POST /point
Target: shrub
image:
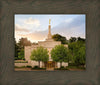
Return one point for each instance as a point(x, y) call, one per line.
point(62, 67)
point(36, 67)
point(29, 66)
point(72, 64)
point(42, 68)
point(16, 58)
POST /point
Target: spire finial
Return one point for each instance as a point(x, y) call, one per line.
point(49, 21)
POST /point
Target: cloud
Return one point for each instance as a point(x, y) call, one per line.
point(69, 20)
point(34, 37)
point(28, 25)
point(35, 22)
point(31, 29)
point(18, 28)
point(73, 27)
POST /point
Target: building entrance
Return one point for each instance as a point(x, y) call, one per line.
point(50, 65)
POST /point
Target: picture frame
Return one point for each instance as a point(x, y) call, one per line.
point(90, 76)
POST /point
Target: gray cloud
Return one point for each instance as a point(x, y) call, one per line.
point(75, 28)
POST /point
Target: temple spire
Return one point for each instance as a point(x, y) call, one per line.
point(49, 21)
point(49, 30)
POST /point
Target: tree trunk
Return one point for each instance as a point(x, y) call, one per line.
point(39, 64)
point(60, 64)
point(68, 59)
point(45, 64)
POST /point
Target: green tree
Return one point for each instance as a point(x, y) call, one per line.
point(77, 52)
point(58, 37)
point(73, 48)
point(70, 56)
point(24, 42)
point(59, 54)
point(80, 39)
point(80, 57)
point(17, 50)
point(72, 39)
point(39, 54)
point(21, 54)
point(19, 46)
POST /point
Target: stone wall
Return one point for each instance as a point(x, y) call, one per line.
point(63, 64)
point(49, 44)
point(21, 64)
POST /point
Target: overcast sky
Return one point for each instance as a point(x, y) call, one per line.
point(35, 27)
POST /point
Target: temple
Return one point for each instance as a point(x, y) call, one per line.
point(49, 43)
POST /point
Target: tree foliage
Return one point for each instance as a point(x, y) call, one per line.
point(39, 54)
point(16, 50)
point(19, 46)
point(21, 54)
point(72, 39)
point(77, 52)
point(58, 37)
point(59, 53)
point(24, 42)
point(80, 56)
point(80, 39)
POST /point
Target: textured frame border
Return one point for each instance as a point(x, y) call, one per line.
point(89, 77)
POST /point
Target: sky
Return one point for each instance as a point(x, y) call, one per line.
point(34, 27)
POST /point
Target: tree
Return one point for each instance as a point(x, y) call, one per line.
point(17, 50)
point(21, 54)
point(24, 42)
point(77, 52)
point(81, 39)
point(80, 57)
point(72, 39)
point(70, 56)
point(58, 37)
point(59, 54)
point(39, 54)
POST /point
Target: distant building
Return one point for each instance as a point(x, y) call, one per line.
point(49, 43)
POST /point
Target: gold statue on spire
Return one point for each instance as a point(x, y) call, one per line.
point(49, 21)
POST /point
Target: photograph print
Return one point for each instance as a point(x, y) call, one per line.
point(50, 42)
